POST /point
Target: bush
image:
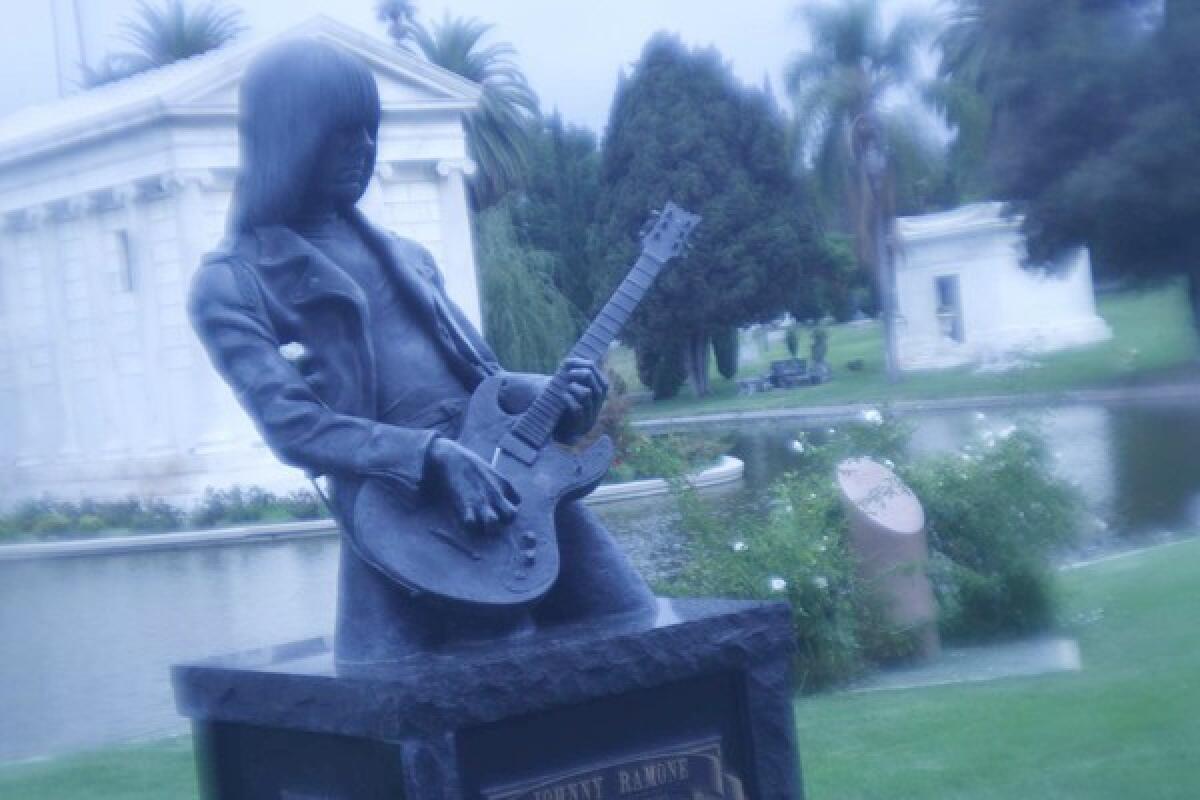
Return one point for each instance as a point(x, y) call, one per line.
point(638, 456)
point(996, 516)
point(302, 504)
point(236, 506)
point(798, 554)
point(47, 518)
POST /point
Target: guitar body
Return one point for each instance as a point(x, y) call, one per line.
point(422, 548)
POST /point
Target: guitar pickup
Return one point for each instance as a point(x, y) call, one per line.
point(516, 448)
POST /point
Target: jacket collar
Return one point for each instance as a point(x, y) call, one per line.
point(288, 260)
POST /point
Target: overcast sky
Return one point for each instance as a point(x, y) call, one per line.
point(570, 50)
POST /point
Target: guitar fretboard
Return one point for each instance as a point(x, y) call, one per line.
point(537, 424)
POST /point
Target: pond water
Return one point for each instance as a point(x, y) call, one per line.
point(87, 642)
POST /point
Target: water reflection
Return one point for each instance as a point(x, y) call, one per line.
point(88, 641)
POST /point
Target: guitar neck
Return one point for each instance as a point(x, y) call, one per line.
point(537, 424)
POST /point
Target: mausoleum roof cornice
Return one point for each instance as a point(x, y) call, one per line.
point(968, 220)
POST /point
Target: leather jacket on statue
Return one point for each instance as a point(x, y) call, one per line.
point(287, 329)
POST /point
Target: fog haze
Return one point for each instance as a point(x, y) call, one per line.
point(570, 51)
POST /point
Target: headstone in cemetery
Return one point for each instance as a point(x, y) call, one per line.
point(887, 539)
point(788, 373)
point(491, 641)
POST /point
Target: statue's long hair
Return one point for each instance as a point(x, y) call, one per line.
point(292, 97)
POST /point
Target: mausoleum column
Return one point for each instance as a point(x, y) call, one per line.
point(105, 405)
point(198, 411)
point(154, 433)
point(462, 281)
point(21, 332)
point(71, 382)
point(50, 256)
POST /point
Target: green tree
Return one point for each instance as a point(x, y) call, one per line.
point(557, 206)
point(725, 348)
point(499, 130)
point(681, 128)
point(525, 318)
point(838, 88)
point(161, 35)
point(1096, 137)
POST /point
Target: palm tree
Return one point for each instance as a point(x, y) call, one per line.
point(498, 131)
point(838, 88)
point(163, 35)
point(960, 92)
point(400, 17)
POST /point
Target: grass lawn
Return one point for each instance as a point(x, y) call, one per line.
point(1127, 726)
point(1153, 339)
point(157, 771)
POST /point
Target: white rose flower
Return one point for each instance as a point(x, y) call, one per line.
point(739, 546)
point(777, 584)
point(797, 446)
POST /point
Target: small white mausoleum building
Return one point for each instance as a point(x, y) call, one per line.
point(108, 200)
point(963, 296)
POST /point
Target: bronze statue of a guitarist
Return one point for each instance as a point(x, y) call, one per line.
point(341, 343)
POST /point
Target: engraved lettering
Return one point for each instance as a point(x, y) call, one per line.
point(696, 769)
point(652, 775)
point(590, 789)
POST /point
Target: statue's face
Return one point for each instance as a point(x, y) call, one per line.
point(344, 168)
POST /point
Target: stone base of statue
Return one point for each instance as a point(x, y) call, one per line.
point(696, 703)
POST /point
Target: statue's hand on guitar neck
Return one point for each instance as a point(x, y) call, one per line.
point(481, 498)
point(586, 387)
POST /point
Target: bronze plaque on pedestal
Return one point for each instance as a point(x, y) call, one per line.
point(690, 771)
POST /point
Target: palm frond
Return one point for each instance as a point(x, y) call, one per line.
point(400, 17)
point(162, 35)
point(498, 130)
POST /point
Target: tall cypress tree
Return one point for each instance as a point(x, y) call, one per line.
point(683, 129)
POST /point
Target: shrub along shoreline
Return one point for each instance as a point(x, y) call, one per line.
point(52, 520)
point(996, 517)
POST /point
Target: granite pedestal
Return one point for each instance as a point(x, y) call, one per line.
point(696, 703)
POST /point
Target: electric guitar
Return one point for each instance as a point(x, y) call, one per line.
point(423, 548)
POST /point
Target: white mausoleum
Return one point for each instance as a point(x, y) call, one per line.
point(108, 200)
point(964, 297)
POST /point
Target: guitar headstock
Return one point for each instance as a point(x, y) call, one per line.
point(666, 233)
